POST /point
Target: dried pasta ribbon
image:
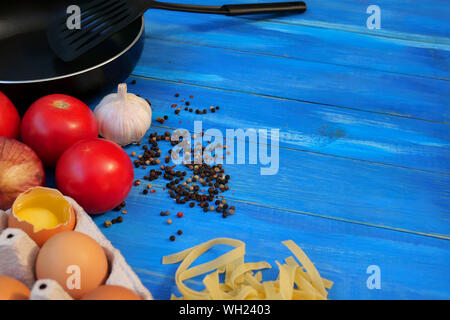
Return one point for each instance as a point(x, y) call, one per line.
point(294, 281)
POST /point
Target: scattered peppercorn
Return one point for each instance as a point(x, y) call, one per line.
point(183, 188)
point(160, 120)
point(179, 232)
point(107, 223)
point(172, 238)
point(119, 219)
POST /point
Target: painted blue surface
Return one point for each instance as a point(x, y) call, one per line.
point(298, 80)
point(364, 174)
point(390, 140)
point(425, 59)
point(403, 19)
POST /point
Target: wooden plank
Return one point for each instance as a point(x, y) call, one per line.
point(412, 267)
point(339, 86)
point(316, 184)
point(305, 127)
point(334, 188)
point(424, 21)
point(303, 42)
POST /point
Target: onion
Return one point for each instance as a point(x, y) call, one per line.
point(20, 170)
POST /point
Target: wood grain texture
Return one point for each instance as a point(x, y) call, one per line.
point(303, 42)
point(340, 86)
point(423, 21)
point(412, 267)
point(340, 189)
point(346, 133)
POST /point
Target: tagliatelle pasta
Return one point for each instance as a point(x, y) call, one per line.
point(295, 281)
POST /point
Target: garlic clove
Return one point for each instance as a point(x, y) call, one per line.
point(123, 117)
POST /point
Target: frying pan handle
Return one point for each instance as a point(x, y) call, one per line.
point(255, 8)
point(234, 9)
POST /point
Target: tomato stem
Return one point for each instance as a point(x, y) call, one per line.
point(61, 104)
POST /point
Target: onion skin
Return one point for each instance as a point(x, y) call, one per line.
point(20, 170)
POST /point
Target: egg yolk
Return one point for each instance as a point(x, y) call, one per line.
point(40, 218)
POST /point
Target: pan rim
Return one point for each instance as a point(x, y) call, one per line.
point(88, 69)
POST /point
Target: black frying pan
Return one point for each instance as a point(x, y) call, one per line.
point(29, 69)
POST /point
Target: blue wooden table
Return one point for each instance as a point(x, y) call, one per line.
point(364, 147)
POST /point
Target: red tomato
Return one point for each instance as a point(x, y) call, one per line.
point(55, 122)
point(96, 173)
point(9, 118)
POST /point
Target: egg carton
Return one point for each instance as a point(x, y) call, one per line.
point(18, 253)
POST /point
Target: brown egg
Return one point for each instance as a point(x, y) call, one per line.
point(12, 289)
point(75, 260)
point(42, 213)
point(111, 292)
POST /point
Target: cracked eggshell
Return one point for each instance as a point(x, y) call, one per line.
point(50, 199)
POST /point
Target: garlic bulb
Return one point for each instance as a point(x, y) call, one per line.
point(123, 117)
